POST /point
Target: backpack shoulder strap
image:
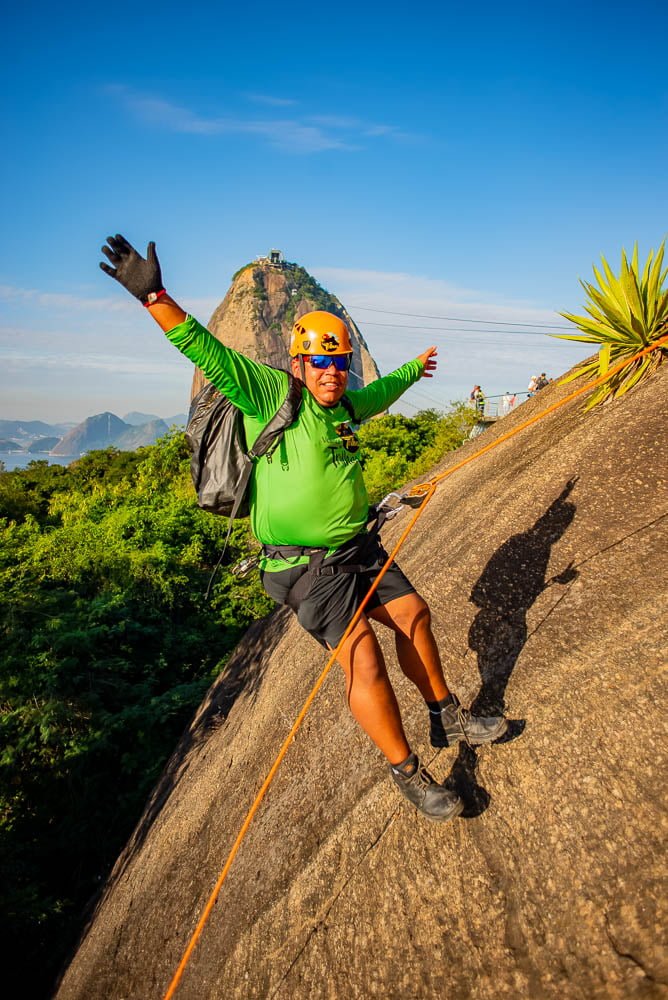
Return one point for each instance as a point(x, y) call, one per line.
point(285, 415)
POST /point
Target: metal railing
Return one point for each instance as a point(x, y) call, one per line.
point(500, 405)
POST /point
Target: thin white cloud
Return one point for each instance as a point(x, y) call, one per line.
point(398, 292)
point(293, 136)
point(381, 130)
point(97, 313)
point(335, 121)
point(497, 357)
point(163, 113)
point(69, 346)
point(109, 364)
point(306, 134)
point(286, 134)
point(272, 100)
point(59, 300)
point(372, 130)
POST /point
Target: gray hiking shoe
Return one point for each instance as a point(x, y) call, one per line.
point(433, 800)
point(455, 723)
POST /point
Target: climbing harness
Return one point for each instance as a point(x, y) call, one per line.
point(418, 497)
point(347, 557)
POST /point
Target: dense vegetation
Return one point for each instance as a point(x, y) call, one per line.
point(107, 645)
point(396, 449)
point(300, 285)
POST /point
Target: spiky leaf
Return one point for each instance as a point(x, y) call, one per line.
point(626, 314)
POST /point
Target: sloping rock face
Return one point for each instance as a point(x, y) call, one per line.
point(25, 430)
point(42, 445)
point(544, 564)
point(141, 435)
point(94, 432)
point(258, 312)
point(106, 430)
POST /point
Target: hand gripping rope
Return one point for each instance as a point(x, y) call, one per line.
point(418, 497)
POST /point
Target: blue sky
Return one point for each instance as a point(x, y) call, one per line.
point(466, 161)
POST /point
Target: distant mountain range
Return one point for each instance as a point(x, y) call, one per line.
point(255, 317)
point(103, 430)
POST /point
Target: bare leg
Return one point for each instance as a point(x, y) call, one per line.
point(410, 619)
point(370, 695)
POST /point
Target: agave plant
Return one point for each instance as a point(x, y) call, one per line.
point(626, 314)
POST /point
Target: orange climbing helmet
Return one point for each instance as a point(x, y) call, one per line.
point(320, 333)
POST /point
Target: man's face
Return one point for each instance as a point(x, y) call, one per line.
point(326, 384)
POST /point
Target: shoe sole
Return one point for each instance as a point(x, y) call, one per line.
point(456, 810)
point(501, 731)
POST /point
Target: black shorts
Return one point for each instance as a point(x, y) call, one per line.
point(329, 603)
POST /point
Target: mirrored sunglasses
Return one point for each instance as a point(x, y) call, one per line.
point(340, 361)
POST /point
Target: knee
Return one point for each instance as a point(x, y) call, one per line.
point(362, 660)
point(367, 672)
point(414, 617)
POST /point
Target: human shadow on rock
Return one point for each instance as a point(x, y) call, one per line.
point(508, 586)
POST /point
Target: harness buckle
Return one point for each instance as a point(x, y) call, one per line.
point(328, 570)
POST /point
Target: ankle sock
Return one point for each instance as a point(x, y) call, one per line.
point(436, 706)
point(407, 767)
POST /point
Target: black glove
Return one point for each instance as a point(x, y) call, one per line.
point(139, 276)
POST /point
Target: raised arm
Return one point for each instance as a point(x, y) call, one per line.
point(143, 279)
point(258, 390)
point(428, 361)
point(379, 395)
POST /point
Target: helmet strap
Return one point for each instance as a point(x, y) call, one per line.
point(302, 369)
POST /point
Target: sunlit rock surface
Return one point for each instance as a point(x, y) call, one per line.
point(544, 564)
point(257, 314)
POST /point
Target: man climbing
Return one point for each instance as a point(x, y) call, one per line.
point(309, 510)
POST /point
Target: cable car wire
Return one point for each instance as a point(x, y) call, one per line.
point(463, 319)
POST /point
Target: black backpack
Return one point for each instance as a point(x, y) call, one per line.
point(221, 463)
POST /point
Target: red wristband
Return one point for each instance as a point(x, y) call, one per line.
point(153, 297)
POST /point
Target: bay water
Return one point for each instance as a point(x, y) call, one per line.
point(19, 459)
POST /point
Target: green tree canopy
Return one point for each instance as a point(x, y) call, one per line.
point(107, 646)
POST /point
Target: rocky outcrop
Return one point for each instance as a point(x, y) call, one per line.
point(99, 431)
point(257, 314)
point(544, 564)
point(43, 445)
point(25, 430)
point(106, 430)
point(140, 436)
point(136, 419)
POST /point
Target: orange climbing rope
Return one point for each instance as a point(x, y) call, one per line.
point(424, 491)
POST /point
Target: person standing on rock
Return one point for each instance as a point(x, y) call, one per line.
point(309, 510)
point(507, 403)
point(477, 399)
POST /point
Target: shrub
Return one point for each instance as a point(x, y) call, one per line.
point(625, 314)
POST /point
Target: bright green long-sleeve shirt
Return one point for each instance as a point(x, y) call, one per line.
point(311, 491)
